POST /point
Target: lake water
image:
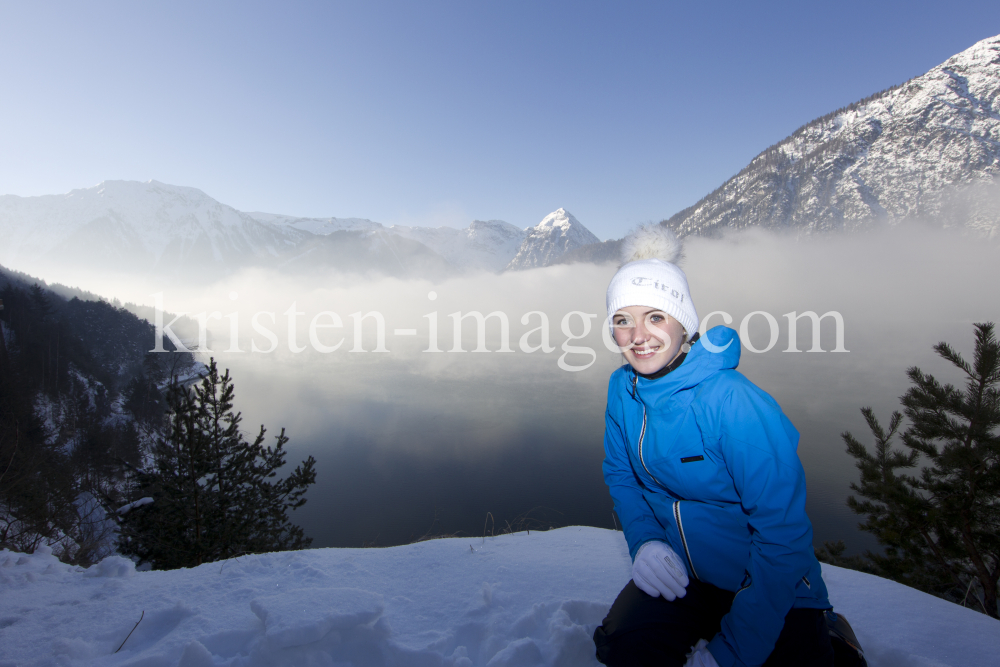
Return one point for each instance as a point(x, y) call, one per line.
point(435, 456)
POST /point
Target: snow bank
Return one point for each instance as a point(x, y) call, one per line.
point(516, 600)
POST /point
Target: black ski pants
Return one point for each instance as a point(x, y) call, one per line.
point(641, 630)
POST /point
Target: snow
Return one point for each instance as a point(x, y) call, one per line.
point(513, 600)
point(307, 615)
point(557, 233)
point(558, 218)
point(131, 506)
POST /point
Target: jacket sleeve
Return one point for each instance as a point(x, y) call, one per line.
point(638, 521)
point(759, 446)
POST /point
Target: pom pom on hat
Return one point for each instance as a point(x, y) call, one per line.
point(652, 242)
point(650, 276)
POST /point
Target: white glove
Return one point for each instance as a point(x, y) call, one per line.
point(658, 570)
point(700, 656)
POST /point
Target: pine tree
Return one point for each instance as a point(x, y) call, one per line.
point(941, 530)
point(212, 491)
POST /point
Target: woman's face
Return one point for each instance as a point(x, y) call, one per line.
point(649, 338)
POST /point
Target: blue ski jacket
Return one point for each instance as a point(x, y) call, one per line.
point(704, 460)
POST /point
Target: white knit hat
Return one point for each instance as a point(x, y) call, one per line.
point(650, 277)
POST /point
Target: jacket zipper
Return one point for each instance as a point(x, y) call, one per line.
point(747, 581)
point(677, 504)
point(642, 433)
point(680, 529)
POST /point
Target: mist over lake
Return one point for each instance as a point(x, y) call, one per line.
point(410, 443)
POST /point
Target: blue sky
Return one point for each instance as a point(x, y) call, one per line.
point(433, 113)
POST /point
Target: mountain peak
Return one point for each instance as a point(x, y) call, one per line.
point(124, 191)
point(985, 52)
point(134, 225)
point(926, 149)
point(557, 233)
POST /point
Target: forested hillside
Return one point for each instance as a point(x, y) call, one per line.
point(80, 399)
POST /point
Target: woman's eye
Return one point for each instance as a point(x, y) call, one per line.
point(656, 318)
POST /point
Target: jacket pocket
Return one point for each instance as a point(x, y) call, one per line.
point(714, 542)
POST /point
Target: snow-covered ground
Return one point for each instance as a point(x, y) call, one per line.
point(516, 600)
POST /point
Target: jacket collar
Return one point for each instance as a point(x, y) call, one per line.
point(673, 364)
point(718, 349)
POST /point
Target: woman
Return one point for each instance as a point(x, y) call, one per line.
point(702, 467)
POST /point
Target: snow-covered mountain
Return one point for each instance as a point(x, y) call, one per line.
point(136, 227)
point(489, 244)
point(547, 241)
point(317, 226)
point(169, 230)
point(927, 149)
point(376, 252)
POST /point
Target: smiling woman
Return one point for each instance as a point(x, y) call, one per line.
point(703, 469)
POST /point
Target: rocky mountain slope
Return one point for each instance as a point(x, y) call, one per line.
point(489, 244)
point(558, 233)
point(317, 226)
point(928, 149)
